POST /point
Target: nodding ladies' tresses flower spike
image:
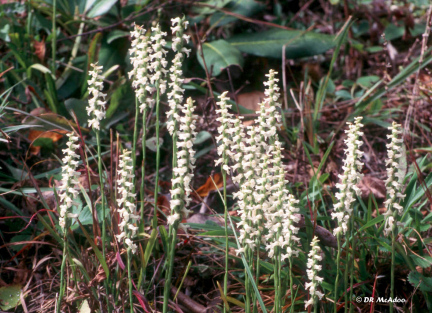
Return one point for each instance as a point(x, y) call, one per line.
point(69, 178)
point(395, 176)
point(280, 211)
point(125, 201)
point(269, 118)
point(96, 105)
point(350, 177)
point(175, 96)
point(225, 130)
point(158, 62)
point(139, 56)
point(183, 172)
point(314, 257)
point(248, 198)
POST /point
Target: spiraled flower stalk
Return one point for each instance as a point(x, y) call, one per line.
point(224, 152)
point(68, 194)
point(158, 64)
point(127, 211)
point(314, 257)
point(96, 111)
point(347, 189)
point(181, 186)
point(140, 57)
point(280, 223)
point(395, 176)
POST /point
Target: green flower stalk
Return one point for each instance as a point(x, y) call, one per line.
point(139, 56)
point(96, 112)
point(181, 186)
point(395, 177)
point(280, 223)
point(314, 257)
point(157, 78)
point(69, 193)
point(127, 211)
point(224, 152)
point(347, 189)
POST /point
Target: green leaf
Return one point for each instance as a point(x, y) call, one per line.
point(149, 248)
point(241, 7)
point(269, 43)
point(422, 261)
point(201, 137)
point(115, 34)
point(38, 67)
point(9, 297)
point(219, 55)
point(79, 108)
point(100, 8)
point(367, 81)
point(164, 237)
point(418, 280)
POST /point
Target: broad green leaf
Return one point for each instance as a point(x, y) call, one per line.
point(219, 55)
point(419, 281)
point(367, 81)
point(115, 34)
point(423, 262)
point(100, 8)
point(211, 6)
point(241, 7)
point(79, 109)
point(269, 43)
point(9, 297)
point(201, 137)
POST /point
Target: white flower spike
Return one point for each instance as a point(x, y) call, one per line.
point(69, 179)
point(125, 202)
point(139, 56)
point(313, 266)
point(395, 176)
point(175, 96)
point(350, 178)
point(96, 103)
point(183, 172)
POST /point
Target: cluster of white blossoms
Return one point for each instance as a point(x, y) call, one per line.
point(270, 118)
point(350, 177)
point(96, 103)
point(175, 96)
point(225, 131)
point(125, 202)
point(140, 56)
point(183, 172)
point(280, 212)
point(265, 205)
point(248, 198)
point(395, 176)
point(69, 179)
point(158, 62)
point(313, 266)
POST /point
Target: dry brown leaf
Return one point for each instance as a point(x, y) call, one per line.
point(372, 185)
point(54, 135)
point(251, 100)
point(204, 190)
point(40, 49)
